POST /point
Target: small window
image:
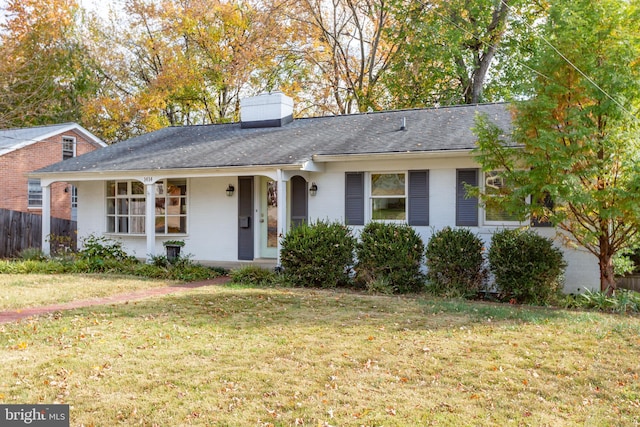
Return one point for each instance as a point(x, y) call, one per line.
point(493, 186)
point(34, 191)
point(388, 197)
point(74, 196)
point(68, 147)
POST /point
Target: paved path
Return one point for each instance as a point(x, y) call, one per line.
point(24, 313)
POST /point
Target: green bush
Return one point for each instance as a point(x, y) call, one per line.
point(527, 267)
point(253, 274)
point(391, 255)
point(318, 255)
point(103, 248)
point(455, 263)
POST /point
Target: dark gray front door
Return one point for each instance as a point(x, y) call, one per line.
point(245, 218)
point(298, 201)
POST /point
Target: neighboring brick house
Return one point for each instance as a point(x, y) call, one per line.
point(28, 149)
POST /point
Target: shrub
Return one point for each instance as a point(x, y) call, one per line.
point(94, 247)
point(390, 253)
point(253, 274)
point(455, 263)
point(526, 266)
point(318, 255)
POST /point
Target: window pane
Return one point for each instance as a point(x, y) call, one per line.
point(123, 206)
point(176, 224)
point(388, 209)
point(137, 206)
point(177, 187)
point(160, 210)
point(137, 224)
point(160, 224)
point(122, 188)
point(111, 206)
point(159, 189)
point(34, 192)
point(493, 185)
point(111, 224)
point(388, 184)
point(123, 225)
point(137, 187)
point(111, 188)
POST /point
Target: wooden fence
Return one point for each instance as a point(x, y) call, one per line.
point(22, 230)
point(631, 282)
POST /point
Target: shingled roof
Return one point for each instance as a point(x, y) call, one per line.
point(230, 145)
point(14, 139)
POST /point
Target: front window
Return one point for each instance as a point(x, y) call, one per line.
point(126, 207)
point(494, 186)
point(171, 206)
point(34, 193)
point(388, 197)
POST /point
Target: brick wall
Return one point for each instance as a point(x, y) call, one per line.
point(15, 165)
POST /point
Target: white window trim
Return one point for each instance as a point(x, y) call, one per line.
point(29, 205)
point(143, 195)
point(368, 212)
point(483, 211)
point(71, 139)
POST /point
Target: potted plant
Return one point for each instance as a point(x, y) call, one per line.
point(173, 249)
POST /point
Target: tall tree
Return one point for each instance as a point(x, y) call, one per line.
point(454, 49)
point(345, 46)
point(580, 131)
point(43, 77)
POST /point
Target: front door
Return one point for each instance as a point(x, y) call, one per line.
point(268, 218)
point(245, 217)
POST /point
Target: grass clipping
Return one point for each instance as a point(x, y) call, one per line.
point(285, 357)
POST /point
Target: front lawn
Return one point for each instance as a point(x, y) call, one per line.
point(31, 290)
point(235, 356)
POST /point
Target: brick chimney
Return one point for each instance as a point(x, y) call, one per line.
point(273, 109)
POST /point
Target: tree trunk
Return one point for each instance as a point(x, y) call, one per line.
point(607, 277)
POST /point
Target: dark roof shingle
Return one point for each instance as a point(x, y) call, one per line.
point(228, 145)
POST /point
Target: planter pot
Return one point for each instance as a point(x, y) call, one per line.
point(173, 252)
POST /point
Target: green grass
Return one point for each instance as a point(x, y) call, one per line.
point(242, 356)
point(29, 290)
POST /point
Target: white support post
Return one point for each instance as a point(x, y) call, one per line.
point(282, 209)
point(46, 219)
point(150, 220)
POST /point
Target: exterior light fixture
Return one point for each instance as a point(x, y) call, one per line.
point(230, 190)
point(313, 190)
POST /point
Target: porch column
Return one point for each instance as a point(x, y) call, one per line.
point(46, 219)
point(150, 220)
point(282, 209)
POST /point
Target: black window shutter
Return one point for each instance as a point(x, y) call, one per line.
point(466, 207)
point(354, 198)
point(419, 197)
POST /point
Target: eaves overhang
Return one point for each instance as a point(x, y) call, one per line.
point(152, 175)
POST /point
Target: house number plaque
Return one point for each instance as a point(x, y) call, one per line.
point(147, 179)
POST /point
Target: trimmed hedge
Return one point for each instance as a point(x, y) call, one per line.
point(455, 263)
point(526, 266)
point(390, 256)
point(318, 255)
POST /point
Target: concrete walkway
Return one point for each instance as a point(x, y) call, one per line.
point(25, 313)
